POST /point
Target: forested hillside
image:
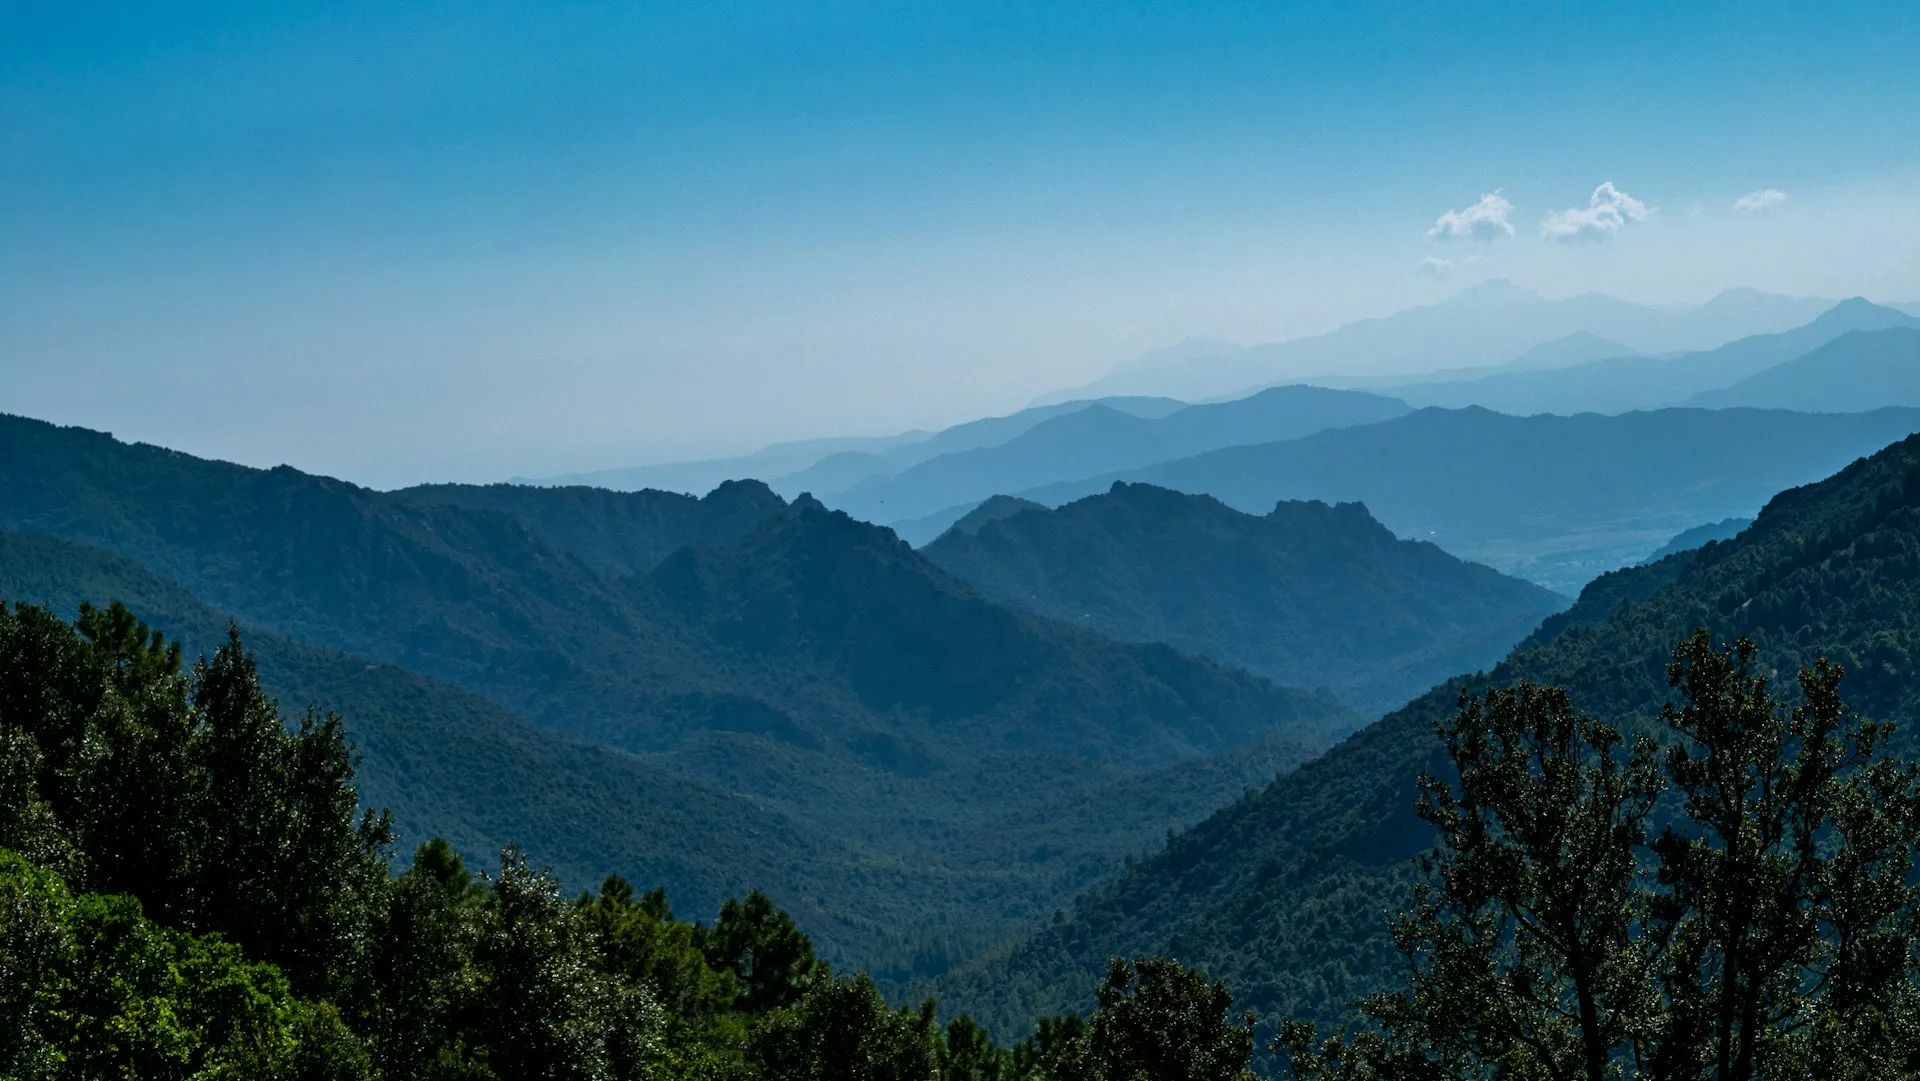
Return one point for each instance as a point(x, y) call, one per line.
point(1283, 893)
point(189, 887)
point(818, 667)
point(1308, 594)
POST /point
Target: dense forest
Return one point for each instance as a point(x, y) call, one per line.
point(189, 888)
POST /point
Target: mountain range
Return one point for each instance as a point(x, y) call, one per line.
point(1487, 324)
point(1099, 440)
point(1284, 893)
point(1553, 499)
point(806, 668)
point(1306, 595)
point(1621, 384)
point(1855, 372)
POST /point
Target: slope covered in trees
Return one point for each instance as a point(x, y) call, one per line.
point(189, 889)
point(615, 533)
point(1556, 500)
point(1283, 893)
point(819, 667)
point(1307, 595)
point(454, 765)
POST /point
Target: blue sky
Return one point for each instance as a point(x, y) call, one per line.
point(402, 241)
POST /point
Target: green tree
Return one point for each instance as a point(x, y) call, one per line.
point(770, 957)
point(1158, 1021)
point(1767, 930)
point(842, 1030)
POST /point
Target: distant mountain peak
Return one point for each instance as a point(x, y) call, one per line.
point(1495, 291)
point(1859, 310)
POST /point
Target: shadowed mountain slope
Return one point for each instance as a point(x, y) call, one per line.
point(615, 533)
point(1283, 894)
point(452, 764)
point(1555, 500)
point(1307, 595)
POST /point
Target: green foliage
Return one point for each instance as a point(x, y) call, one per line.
point(1308, 595)
point(1160, 1022)
point(97, 990)
point(1768, 930)
point(842, 1030)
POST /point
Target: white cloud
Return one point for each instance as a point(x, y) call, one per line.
point(1758, 202)
point(1484, 220)
point(1607, 212)
point(1434, 269)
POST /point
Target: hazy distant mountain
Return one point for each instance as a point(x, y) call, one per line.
point(700, 477)
point(1306, 595)
point(1484, 325)
point(994, 509)
point(1100, 440)
point(838, 472)
point(1556, 500)
point(1627, 383)
point(1576, 348)
point(1688, 540)
point(1860, 370)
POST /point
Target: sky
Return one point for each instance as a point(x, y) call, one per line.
point(466, 241)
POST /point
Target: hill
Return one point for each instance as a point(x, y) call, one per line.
point(1555, 500)
point(818, 667)
point(454, 765)
point(839, 472)
point(615, 533)
point(1283, 893)
point(1858, 371)
point(1307, 595)
point(1689, 539)
point(1622, 384)
point(1097, 440)
point(1481, 325)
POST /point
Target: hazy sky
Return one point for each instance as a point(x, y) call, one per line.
point(467, 240)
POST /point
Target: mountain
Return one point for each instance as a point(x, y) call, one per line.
point(452, 764)
point(1478, 327)
point(839, 472)
point(1688, 540)
point(993, 509)
point(1098, 439)
point(1576, 348)
point(615, 533)
point(1621, 384)
point(817, 667)
point(695, 477)
point(1858, 371)
point(1282, 894)
point(1307, 595)
point(1556, 500)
